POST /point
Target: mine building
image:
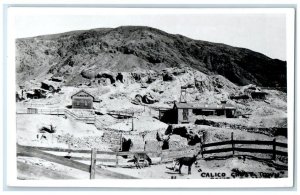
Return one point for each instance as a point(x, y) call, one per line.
point(261, 95)
point(187, 112)
point(82, 100)
point(184, 113)
point(36, 93)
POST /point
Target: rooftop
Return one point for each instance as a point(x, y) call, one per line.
point(84, 91)
point(203, 106)
point(95, 97)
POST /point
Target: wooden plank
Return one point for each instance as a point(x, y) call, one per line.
point(274, 149)
point(218, 150)
point(57, 149)
point(134, 152)
point(117, 161)
point(216, 144)
point(253, 142)
point(78, 158)
point(98, 159)
point(67, 150)
point(232, 143)
point(282, 153)
point(283, 145)
point(254, 150)
point(250, 150)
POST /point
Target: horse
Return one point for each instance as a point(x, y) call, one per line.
point(187, 161)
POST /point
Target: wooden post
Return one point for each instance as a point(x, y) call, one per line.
point(274, 149)
point(201, 139)
point(160, 155)
point(132, 128)
point(121, 143)
point(202, 142)
point(93, 163)
point(117, 161)
point(232, 141)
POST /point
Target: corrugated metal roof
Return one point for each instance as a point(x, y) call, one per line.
point(204, 106)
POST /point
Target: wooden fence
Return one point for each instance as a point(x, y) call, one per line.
point(121, 114)
point(163, 156)
point(51, 111)
point(57, 111)
point(233, 148)
point(86, 119)
point(30, 104)
point(48, 111)
point(92, 169)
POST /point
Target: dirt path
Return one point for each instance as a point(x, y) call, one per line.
point(32, 172)
point(209, 169)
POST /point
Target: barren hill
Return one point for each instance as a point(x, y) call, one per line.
point(137, 48)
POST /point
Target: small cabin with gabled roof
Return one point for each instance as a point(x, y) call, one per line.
point(82, 100)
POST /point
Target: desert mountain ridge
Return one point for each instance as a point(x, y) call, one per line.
point(137, 49)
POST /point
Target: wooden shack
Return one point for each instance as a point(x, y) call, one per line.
point(185, 112)
point(259, 95)
point(82, 100)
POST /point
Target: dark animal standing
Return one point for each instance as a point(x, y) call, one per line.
point(140, 158)
point(187, 161)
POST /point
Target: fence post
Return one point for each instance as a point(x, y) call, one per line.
point(160, 155)
point(232, 141)
point(117, 161)
point(274, 149)
point(121, 142)
point(93, 163)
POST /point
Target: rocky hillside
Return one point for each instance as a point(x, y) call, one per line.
point(136, 48)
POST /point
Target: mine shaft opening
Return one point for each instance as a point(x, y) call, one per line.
point(120, 77)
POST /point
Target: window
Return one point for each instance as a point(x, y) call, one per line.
point(85, 103)
point(185, 114)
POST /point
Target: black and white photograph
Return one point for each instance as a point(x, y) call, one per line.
point(162, 94)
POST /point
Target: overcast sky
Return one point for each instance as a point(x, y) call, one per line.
point(265, 33)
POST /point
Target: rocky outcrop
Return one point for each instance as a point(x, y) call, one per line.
point(145, 99)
